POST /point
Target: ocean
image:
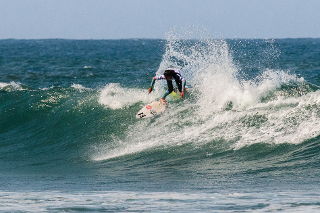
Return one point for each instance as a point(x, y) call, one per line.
point(246, 137)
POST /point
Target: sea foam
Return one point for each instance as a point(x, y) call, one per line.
point(274, 107)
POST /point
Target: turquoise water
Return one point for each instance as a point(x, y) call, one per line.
point(246, 138)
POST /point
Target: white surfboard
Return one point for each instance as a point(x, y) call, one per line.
point(156, 107)
point(152, 109)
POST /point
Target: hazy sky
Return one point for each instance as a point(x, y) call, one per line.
point(113, 19)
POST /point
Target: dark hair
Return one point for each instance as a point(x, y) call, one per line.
point(169, 73)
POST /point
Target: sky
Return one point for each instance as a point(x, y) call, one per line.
point(121, 19)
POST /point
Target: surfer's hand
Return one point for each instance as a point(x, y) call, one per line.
point(182, 94)
point(163, 101)
point(149, 90)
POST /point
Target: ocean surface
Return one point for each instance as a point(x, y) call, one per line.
point(246, 137)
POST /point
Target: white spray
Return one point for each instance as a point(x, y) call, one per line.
point(220, 107)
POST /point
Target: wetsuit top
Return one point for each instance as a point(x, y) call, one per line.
point(181, 82)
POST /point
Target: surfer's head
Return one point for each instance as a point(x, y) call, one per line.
point(168, 74)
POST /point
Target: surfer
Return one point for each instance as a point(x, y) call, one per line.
point(168, 75)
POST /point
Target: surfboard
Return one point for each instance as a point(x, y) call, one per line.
point(152, 109)
point(156, 107)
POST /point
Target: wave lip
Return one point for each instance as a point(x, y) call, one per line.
point(116, 97)
point(13, 86)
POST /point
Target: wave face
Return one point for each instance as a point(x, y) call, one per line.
point(250, 121)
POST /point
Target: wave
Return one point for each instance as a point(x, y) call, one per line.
point(13, 86)
point(116, 97)
point(221, 114)
point(97, 124)
point(275, 107)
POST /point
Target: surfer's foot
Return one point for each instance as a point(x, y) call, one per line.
point(163, 101)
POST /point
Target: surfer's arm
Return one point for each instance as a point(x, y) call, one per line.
point(161, 77)
point(184, 82)
point(165, 94)
point(170, 89)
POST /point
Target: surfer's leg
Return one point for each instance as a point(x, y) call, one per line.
point(170, 86)
point(179, 85)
